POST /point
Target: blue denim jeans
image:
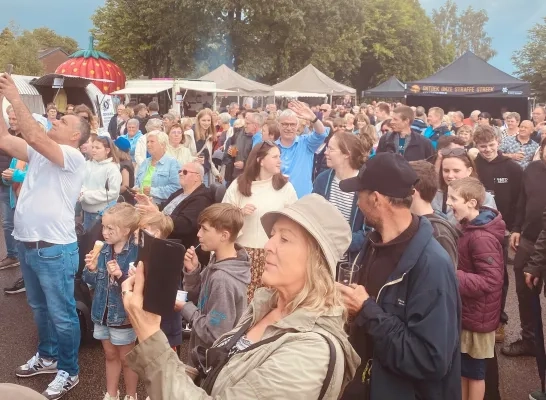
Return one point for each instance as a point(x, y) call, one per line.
point(89, 219)
point(49, 280)
point(7, 221)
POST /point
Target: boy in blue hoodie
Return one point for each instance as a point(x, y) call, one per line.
point(436, 128)
point(221, 287)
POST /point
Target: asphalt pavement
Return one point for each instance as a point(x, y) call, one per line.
point(18, 340)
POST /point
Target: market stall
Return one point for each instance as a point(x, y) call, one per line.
point(392, 88)
point(470, 83)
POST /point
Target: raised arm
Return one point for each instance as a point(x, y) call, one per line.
point(33, 134)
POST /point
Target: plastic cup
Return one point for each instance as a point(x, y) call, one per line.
point(345, 274)
point(182, 296)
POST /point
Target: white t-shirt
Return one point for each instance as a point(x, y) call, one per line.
point(45, 208)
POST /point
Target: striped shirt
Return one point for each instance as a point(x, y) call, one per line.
point(343, 202)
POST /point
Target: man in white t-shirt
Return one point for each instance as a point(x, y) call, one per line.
point(45, 230)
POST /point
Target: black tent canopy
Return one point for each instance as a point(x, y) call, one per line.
point(392, 88)
point(470, 83)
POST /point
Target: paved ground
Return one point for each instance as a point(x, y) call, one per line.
point(18, 343)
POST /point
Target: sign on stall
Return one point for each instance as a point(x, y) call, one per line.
point(107, 109)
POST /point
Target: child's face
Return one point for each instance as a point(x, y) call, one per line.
point(461, 208)
point(209, 238)
point(112, 232)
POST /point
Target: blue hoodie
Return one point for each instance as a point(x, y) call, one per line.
point(433, 134)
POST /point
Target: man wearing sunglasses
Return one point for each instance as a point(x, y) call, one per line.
point(403, 140)
point(325, 111)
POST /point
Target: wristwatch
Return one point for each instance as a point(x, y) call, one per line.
point(315, 120)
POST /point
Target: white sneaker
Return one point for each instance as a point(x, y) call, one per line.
point(127, 397)
point(61, 385)
point(108, 397)
point(36, 366)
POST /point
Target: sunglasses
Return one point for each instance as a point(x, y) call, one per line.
point(385, 130)
point(323, 110)
point(186, 172)
point(453, 152)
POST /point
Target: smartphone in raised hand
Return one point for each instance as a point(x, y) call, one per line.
point(9, 69)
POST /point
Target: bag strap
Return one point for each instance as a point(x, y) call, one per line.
point(331, 366)
point(444, 203)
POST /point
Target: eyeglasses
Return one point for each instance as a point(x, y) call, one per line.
point(269, 143)
point(457, 151)
point(186, 172)
point(288, 125)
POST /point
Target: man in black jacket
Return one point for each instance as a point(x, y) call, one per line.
point(411, 144)
point(404, 299)
point(114, 122)
point(527, 227)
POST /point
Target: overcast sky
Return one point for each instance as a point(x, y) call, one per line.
point(509, 20)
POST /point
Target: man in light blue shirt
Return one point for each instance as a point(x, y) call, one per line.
point(297, 152)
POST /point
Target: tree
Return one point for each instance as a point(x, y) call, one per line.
point(464, 31)
point(530, 61)
point(399, 39)
point(154, 39)
point(47, 38)
point(21, 48)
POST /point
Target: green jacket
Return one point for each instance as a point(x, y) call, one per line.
point(291, 368)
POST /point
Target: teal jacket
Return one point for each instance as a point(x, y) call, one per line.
point(18, 177)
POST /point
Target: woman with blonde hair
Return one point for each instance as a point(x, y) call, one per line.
point(366, 129)
point(205, 138)
point(124, 115)
point(290, 343)
point(175, 147)
point(157, 176)
point(154, 124)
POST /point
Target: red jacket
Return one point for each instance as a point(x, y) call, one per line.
point(481, 271)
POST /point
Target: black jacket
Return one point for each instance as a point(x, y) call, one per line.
point(536, 265)
point(5, 158)
point(185, 216)
point(531, 202)
point(419, 147)
point(502, 178)
point(414, 324)
point(113, 127)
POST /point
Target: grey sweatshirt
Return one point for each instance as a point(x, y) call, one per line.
point(446, 234)
point(221, 289)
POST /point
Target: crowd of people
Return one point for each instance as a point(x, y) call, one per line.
point(353, 252)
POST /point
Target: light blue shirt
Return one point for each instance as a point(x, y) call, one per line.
point(133, 141)
point(297, 160)
point(165, 180)
point(257, 138)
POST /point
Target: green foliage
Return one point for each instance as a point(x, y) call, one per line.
point(20, 48)
point(530, 61)
point(463, 30)
point(357, 42)
point(399, 39)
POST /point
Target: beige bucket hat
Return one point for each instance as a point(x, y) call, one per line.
point(322, 220)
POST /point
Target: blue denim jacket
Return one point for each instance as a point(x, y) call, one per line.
point(108, 294)
point(165, 180)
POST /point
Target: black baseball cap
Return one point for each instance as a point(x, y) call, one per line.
point(386, 173)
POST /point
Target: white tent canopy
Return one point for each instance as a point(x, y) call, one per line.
point(311, 80)
point(226, 78)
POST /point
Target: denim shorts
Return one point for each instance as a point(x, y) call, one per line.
point(116, 336)
point(472, 368)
